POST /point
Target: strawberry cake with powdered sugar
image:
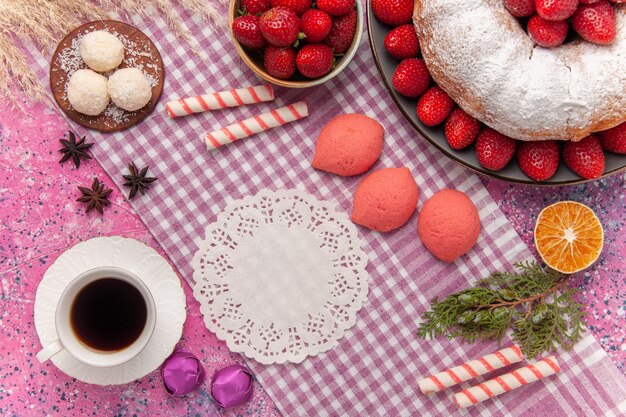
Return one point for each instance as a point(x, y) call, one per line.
point(480, 54)
point(538, 81)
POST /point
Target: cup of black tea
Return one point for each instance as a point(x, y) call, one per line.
point(106, 316)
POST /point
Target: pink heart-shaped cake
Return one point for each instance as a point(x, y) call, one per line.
point(448, 224)
point(348, 145)
point(385, 199)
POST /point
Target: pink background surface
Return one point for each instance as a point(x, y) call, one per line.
point(40, 219)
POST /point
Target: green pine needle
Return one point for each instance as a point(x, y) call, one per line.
point(535, 303)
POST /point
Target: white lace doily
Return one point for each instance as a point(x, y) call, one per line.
point(280, 276)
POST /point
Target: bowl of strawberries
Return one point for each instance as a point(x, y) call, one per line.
point(296, 43)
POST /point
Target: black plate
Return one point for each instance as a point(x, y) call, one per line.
point(467, 157)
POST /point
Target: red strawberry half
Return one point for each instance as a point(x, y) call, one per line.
point(539, 160)
point(614, 140)
point(434, 106)
point(411, 78)
point(585, 158)
point(335, 7)
point(298, 6)
point(316, 25)
point(342, 32)
point(255, 6)
point(246, 30)
point(280, 62)
point(402, 42)
point(460, 129)
point(556, 9)
point(547, 33)
point(280, 26)
point(596, 22)
point(520, 8)
point(493, 149)
point(393, 12)
point(314, 60)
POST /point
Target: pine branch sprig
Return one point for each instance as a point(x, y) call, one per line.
point(535, 303)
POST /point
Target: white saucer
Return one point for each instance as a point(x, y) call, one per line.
point(137, 258)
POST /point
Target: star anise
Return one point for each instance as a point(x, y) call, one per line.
point(96, 197)
point(76, 150)
point(137, 180)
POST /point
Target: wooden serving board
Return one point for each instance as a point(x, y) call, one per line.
point(140, 52)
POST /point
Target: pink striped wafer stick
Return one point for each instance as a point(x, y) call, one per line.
point(220, 100)
point(471, 369)
point(507, 382)
point(256, 124)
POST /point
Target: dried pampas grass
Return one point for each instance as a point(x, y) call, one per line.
point(43, 23)
point(16, 74)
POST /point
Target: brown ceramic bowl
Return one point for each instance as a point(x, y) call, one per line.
point(254, 59)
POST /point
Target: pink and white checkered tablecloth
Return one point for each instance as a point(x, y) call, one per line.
point(375, 368)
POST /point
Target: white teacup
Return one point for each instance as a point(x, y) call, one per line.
point(69, 341)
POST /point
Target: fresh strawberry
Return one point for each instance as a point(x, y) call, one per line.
point(298, 6)
point(434, 106)
point(493, 149)
point(556, 9)
point(316, 25)
point(614, 139)
point(335, 7)
point(520, 8)
point(585, 157)
point(342, 32)
point(539, 159)
point(402, 42)
point(314, 60)
point(547, 33)
point(460, 129)
point(280, 62)
point(280, 26)
point(255, 6)
point(411, 78)
point(393, 12)
point(589, 1)
point(595, 22)
point(246, 30)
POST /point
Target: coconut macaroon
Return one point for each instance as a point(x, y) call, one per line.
point(87, 92)
point(101, 51)
point(129, 89)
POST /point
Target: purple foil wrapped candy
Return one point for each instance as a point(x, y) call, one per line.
point(182, 372)
point(232, 386)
